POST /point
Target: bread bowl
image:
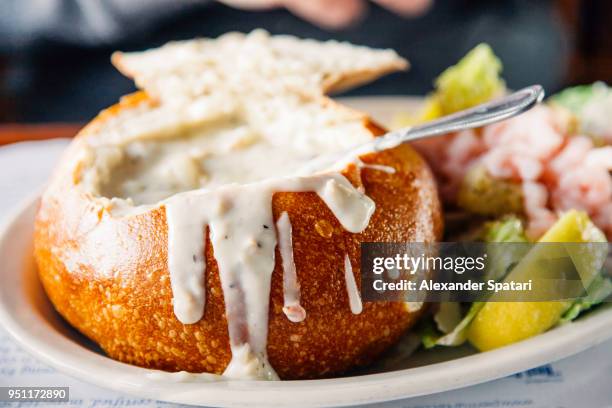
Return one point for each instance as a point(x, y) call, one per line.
point(198, 162)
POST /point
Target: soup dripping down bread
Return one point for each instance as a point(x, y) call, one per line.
point(179, 234)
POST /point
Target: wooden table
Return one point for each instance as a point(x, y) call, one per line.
point(11, 133)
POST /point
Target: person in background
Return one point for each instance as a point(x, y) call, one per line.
point(54, 54)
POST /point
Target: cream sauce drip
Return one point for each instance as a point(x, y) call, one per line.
point(239, 218)
point(351, 287)
point(380, 167)
point(291, 287)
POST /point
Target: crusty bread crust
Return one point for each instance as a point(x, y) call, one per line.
point(118, 291)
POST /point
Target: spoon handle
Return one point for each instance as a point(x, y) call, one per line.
point(481, 115)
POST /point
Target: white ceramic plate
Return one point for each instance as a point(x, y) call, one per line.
point(28, 316)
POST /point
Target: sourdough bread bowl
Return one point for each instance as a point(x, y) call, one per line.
point(212, 145)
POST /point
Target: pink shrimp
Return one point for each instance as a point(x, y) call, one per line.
point(450, 157)
point(556, 172)
point(535, 202)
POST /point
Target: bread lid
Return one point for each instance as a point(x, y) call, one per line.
point(270, 64)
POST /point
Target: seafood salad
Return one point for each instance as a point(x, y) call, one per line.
point(544, 176)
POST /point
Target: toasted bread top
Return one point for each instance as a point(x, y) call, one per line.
point(274, 64)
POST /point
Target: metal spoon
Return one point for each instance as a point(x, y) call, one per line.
point(481, 115)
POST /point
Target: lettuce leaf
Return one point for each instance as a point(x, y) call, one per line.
point(507, 229)
point(473, 80)
point(574, 98)
point(455, 337)
point(590, 106)
point(599, 290)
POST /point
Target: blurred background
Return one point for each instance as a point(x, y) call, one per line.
point(54, 54)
